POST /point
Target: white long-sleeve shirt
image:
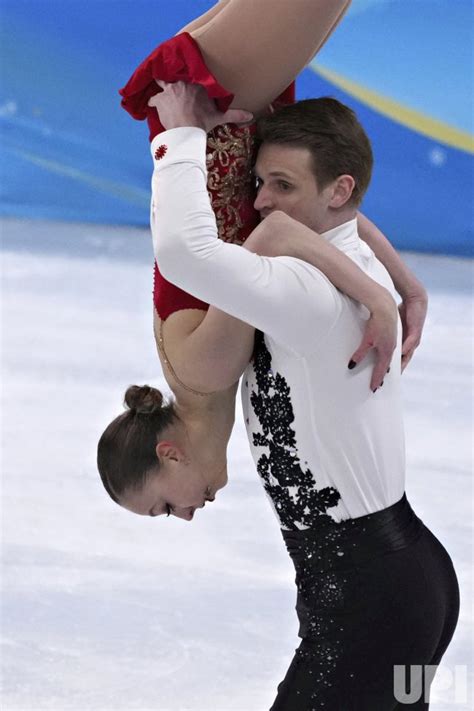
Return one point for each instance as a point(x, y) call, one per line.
point(323, 443)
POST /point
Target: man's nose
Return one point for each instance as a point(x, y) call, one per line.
point(263, 201)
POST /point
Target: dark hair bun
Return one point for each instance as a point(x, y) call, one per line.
point(143, 399)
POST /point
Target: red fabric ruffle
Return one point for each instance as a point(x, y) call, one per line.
point(177, 59)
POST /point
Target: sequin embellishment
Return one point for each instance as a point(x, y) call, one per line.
point(230, 154)
point(280, 466)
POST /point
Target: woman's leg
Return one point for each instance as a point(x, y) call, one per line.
point(256, 48)
point(204, 19)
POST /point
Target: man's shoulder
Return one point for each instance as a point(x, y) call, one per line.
point(304, 270)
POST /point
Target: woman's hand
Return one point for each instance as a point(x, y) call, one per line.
point(415, 299)
point(380, 334)
point(280, 235)
point(413, 310)
point(180, 104)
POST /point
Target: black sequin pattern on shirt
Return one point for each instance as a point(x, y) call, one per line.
point(280, 466)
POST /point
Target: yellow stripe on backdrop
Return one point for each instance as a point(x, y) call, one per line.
point(415, 120)
point(135, 196)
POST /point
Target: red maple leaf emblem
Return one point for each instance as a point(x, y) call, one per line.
point(160, 151)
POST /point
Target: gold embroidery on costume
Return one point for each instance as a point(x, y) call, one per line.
point(230, 154)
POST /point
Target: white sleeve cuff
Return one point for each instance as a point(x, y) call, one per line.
point(178, 145)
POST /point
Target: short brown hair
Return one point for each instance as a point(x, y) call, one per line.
point(333, 134)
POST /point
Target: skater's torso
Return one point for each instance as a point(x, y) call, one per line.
point(323, 443)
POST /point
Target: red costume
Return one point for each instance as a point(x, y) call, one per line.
point(230, 150)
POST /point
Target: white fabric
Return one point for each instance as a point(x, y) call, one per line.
point(348, 438)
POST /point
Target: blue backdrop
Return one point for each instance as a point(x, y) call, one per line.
point(68, 150)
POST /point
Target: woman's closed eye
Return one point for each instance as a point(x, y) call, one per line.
point(168, 511)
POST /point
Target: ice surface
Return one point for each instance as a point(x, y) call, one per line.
point(103, 610)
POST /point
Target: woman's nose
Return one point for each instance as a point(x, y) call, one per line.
point(187, 513)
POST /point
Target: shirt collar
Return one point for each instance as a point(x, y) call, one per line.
point(344, 237)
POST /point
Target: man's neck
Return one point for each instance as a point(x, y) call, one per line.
point(336, 218)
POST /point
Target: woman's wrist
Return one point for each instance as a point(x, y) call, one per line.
point(412, 290)
point(406, 283)
point(380, 300)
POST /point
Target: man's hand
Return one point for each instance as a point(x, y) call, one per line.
point(181, 104)
point(413, 311)
point(381, 334)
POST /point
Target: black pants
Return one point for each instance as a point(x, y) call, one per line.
point(373, 592)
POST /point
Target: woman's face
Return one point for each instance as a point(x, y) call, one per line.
point(177, 489)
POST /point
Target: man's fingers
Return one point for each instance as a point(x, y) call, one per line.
point(153, 100)
point(237, 116)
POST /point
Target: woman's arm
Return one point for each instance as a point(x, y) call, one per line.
point(286, 236)
point(219, 349)
point(414, 297)
point(208, 351)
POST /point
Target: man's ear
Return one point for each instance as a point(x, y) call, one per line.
point(343, 188)
point(168, 451)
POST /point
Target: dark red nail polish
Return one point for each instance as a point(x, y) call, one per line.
point(352, 364)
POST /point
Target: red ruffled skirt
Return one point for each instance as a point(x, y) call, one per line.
point(230, 150)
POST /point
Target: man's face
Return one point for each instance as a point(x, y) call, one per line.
point(286, 182)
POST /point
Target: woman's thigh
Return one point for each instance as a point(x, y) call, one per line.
point(256, 48)
point(205, 18)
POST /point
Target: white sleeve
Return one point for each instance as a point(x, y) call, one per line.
point(286, 298)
